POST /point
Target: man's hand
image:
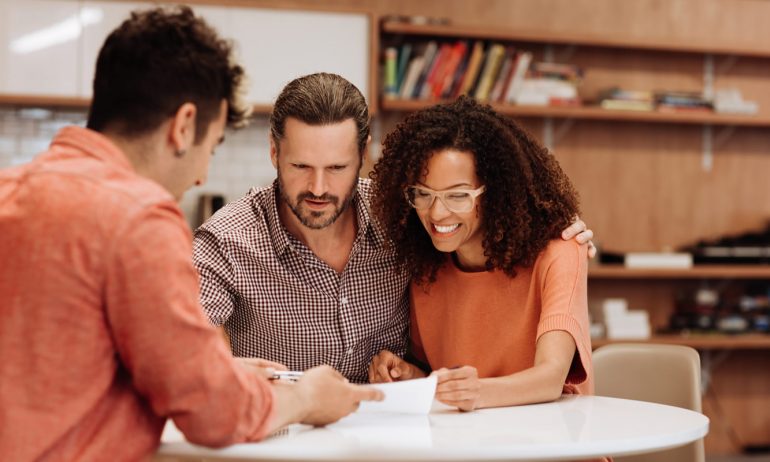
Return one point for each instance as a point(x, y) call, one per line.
point(261, 367)
point(327, 396)
point(387, 367)
point(459, 387)
point(580, 232)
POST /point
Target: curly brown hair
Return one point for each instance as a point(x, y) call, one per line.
point(528, 198)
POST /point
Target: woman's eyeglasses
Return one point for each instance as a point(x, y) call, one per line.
point(455, 200)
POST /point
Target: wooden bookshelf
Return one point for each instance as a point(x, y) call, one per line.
point(596, 113)
point(696, 272)
point(549, 37)
point(701, 341)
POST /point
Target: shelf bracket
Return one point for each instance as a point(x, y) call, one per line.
point(707, 153)
point(552, 135)
point(708, 362)
point(713, 142)
point(726, 65)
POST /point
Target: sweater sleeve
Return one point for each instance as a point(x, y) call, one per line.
point(176, 359)
point(562, 274)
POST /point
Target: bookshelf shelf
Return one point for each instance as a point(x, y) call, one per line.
point(596, 113)
point(696, 272)
point(701, 341)
point(549, 37)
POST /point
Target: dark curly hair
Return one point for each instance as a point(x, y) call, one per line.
point(528, 199)
point(157, 60)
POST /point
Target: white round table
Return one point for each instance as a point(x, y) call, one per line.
point(574, 427)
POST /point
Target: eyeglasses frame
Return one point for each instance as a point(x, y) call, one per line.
point(474, 193)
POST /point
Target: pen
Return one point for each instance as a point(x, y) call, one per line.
point(286, 375)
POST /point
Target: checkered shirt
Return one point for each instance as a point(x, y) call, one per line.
point(277, 300)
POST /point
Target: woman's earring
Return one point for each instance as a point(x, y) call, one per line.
point(179, 152)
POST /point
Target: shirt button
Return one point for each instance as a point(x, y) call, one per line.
point(344, 300)
point(350, 351)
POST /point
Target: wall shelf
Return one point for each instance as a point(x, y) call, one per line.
point(696, 272)
point(550, 37)
point(595, 113)
point(702, 341)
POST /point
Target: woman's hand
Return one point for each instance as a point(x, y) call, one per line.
point(579, 231)
point(387, 367)
point(459, 387)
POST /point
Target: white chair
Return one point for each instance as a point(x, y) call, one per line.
point(665, 374)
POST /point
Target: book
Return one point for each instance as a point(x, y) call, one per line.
point(403, 63)
point(412, 75)
point(523, 60)
point(430, 52)
point(489, 73)
point(473, 68)
point(503, 76)
point(439, 62)
point(447, 74)
point(389, 79)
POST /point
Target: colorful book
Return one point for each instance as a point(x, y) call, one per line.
point(522, 65)
point(389, 80)
point(403, 63)
point(472, 71)
point(489, 73)
point(430, 52)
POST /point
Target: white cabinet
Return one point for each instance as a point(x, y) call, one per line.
point(49, 47)
point(276, 46)
point(110, 15)
point(39, 47)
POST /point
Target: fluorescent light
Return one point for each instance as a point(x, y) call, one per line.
point(61, 32)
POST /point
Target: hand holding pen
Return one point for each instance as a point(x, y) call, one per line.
point(262, 367)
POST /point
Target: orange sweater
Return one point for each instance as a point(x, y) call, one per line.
point(101, 333)
point(492, 322)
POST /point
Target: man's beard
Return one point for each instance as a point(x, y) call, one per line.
point(311, 218)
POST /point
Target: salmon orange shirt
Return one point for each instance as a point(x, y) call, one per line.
point(101, 334)
point(492, 322)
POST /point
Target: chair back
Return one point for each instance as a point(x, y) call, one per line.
point(664, 374)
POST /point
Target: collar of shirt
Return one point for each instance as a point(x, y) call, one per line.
point(91, 143)
point(281, 239)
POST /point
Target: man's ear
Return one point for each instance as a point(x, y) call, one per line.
point(274, 153)
point(182, 128)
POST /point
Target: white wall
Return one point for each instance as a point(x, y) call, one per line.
point(241, 162)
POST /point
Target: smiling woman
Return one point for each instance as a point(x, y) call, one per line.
point(475, 207)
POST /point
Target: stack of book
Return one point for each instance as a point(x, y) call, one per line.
point(550, 84)
point(488, 71)
point(682, 101)
point(626, 100)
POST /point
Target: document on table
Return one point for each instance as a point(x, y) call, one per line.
point(407, 397)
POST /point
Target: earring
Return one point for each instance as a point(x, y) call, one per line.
point(179, 152)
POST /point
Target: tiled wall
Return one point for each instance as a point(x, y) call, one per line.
point(241, 162)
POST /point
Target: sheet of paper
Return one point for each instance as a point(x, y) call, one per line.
point(408, 397)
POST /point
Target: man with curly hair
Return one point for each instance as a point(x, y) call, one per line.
point(474, 209)
point(102, 335)
point(299, 272)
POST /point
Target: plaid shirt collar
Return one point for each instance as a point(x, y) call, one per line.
point(283, 241)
